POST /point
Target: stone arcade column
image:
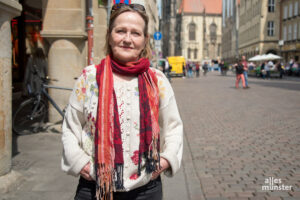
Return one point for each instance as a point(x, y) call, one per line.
point(8, 10)
point(64, 28)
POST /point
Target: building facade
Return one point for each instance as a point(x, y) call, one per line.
point(230, 25)
point(200, 30)
point(290, 30)
point(259, 27)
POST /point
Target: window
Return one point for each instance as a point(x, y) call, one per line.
point(296, 9)
point(284, 33)
point(299, 30)
point(295, 31)
point(213, 32)
point(189, 53)
point(291, 11)
point(195, 53)
point(285, 13)
point(271, 6)
point(290, 33)
point(192, 32)
point(102, 2)
point(270, 28)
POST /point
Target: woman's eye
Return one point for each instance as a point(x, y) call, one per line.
point(136, 33)
point(120, 31)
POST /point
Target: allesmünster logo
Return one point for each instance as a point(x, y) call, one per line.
point(275, 184)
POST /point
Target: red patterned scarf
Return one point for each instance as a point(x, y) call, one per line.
point(108, 143)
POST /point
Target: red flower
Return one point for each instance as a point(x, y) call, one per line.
point(83, 90)
point(135, 157)
point(134, 177)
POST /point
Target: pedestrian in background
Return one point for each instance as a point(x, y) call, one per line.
point(268, 67)
point(122, 128)
point(205, 68)
point(221, 66)
point(183, 70)
point(262, 70)
point(197, 69)
point(245, 64)
point(190, 70)
point(239, 69)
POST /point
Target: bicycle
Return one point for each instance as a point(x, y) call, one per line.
point(32, 113)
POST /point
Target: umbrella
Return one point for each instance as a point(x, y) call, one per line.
point(271, 56)
point(255, 58)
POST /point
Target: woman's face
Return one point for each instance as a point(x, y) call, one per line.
point(127, 39)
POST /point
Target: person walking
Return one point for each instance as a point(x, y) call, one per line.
point(268, 67)
point(197, 69)
point(239, 69)
point(190, 70)
point(122, 128)
point(245, 64)
point(205, 68)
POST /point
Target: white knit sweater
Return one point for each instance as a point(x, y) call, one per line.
point(79, 129)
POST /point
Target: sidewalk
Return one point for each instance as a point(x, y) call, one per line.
point(36, 164)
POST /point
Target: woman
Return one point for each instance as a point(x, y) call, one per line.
point(122, 128)
point(239, 70)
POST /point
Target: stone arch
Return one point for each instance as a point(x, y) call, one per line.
point(273, 51)
point(65, 62)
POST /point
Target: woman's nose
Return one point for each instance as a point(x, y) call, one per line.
point(127, 37)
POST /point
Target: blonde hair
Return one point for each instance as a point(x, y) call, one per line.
point(146, 52)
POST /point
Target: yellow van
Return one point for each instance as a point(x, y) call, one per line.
point(177, 63)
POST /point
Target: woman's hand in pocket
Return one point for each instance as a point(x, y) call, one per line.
point(85, 172)
point(164, 165)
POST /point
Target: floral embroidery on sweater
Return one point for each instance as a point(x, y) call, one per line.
point(134, 176)
point(135, 157)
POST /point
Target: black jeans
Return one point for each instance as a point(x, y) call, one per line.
point(86, 190)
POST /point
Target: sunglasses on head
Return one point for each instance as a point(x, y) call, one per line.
point(134, 6)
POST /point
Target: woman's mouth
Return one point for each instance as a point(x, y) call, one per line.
point(124, 47)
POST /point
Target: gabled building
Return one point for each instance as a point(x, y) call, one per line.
point(200, 30)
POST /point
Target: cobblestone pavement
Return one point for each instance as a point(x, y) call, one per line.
point(238, 138)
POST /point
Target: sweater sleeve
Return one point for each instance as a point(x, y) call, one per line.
point(171, 127)
point(74, 158)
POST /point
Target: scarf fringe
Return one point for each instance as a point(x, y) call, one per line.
point(104, 186)
point(152, 158)
point(119, 182)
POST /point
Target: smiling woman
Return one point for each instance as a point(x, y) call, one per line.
point(127, 38)
point(122, 128)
